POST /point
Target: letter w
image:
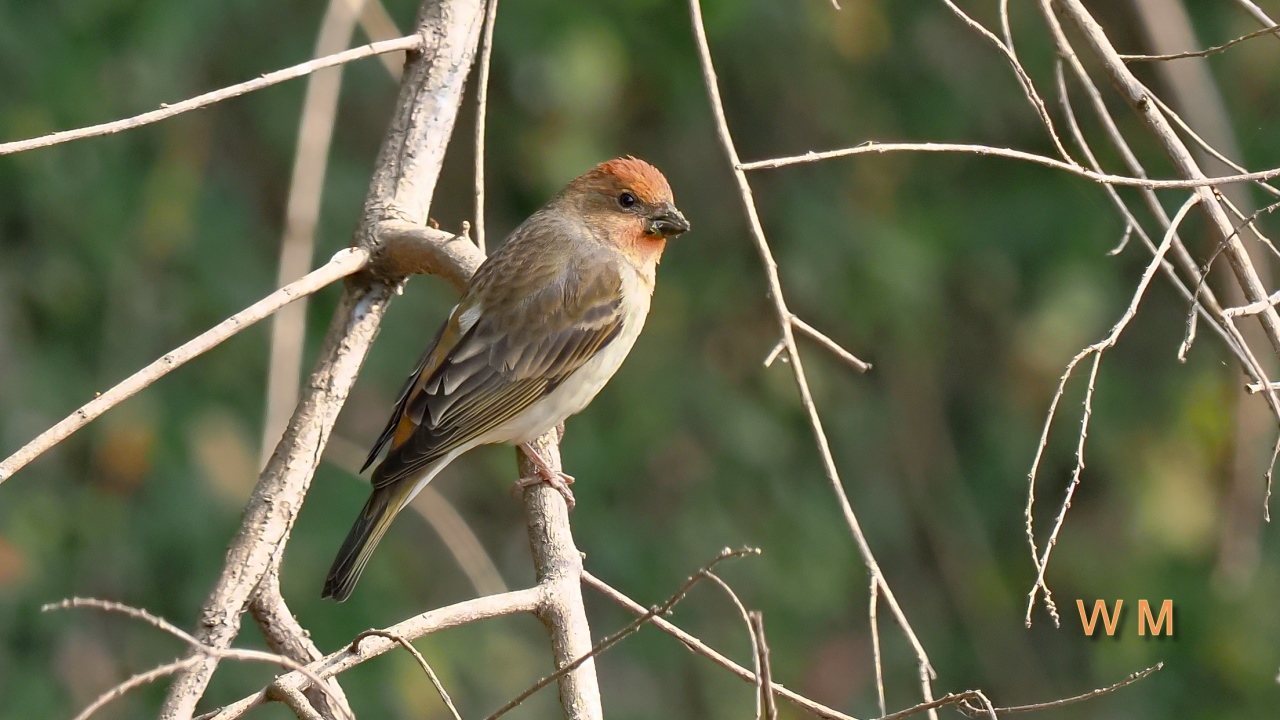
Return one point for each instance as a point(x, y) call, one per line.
point(1109, 620)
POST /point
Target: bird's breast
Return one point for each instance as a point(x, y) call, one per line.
point(580, 388)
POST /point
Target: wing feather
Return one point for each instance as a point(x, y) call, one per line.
point(471, 382)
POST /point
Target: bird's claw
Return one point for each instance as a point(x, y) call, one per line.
point(557, 480)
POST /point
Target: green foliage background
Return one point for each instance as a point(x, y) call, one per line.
point(969, 283)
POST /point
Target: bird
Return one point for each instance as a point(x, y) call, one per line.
point(541, 327)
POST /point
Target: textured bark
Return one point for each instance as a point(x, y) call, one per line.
point(404, 180)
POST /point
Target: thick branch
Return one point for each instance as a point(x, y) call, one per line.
point(559, 568)
point(403, 183)
point(286, 636)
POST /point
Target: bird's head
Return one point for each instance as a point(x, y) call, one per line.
point(631, 201)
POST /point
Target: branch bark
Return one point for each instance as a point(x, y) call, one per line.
point(1137, 95)
point(403, 183)
point(559, 567)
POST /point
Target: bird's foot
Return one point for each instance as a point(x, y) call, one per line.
point(558, 480)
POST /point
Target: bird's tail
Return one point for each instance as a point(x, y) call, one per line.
point(375, 518)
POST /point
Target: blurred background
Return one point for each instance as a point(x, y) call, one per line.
point(969, 282)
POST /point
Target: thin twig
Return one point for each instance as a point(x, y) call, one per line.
point(701, 648)
point(136, 681)
point(764, 671)
point(873, 147)
point(422, 662)
point(784, 316)
point(527, 600)
point(875, 642)
point(302, 213)
point(199, 647)
point(1135, 677)
point(813, 333)
point(751, 634)
point(635, 625)
point(409, 42)
point(1206, 146)
point(1096, 350)
point(1028, 87)
point(378, 25)
point(1201, 53)
point(482, 106)
point(1257, 12)
point(344, 263)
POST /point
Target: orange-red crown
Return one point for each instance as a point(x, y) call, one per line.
point(638, 176)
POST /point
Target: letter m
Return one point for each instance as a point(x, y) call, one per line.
point(1109, 620)
point(1145, 620)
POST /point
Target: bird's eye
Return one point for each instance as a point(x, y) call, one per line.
point(626, 199)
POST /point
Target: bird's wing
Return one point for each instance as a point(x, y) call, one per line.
point(509, 343)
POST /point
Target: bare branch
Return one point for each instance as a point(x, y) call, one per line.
point(558, 566)
point(344, 263)
point(408, 249)
point(784, 316)
point(1138, 97)
point(302, 212)
point(378, 25)
point(482, 106)
point(1201, 53)
point(697, 646)
point(613, 639)
point(832, 345)
point(878, 148)
point(518, 601)
point(410, 42)
point(1257, 13)
point(1097, 349)
point(134, 682)
point(200, 648)
point(1028, 87)
point(761, 689)
point(402, 186)
point(300, 704)
point(286, 636)
point(422, 662)
point(1135, 677)
point(875, 642)
point(764, 685)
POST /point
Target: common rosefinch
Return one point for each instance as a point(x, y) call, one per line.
point(541, 327)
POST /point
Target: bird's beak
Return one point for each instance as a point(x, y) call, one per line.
point(668, 223)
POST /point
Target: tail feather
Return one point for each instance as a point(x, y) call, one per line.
point(375, 518)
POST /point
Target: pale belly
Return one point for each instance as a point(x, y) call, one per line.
point(573, 394)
